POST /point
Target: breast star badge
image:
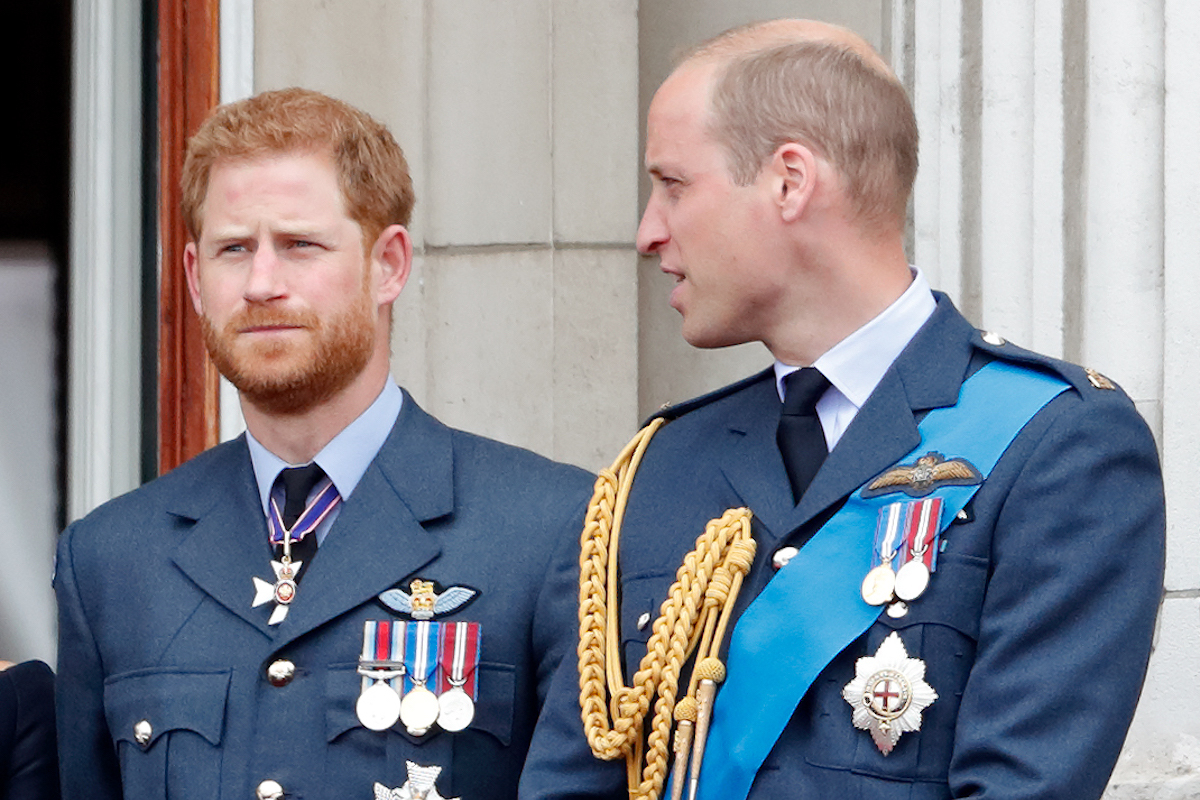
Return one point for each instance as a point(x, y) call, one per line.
point(419, 785)
point(425, 602)
point(889, 693)
point(282, 591)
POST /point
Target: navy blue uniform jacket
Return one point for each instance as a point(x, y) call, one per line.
point(28, 767)
point(1035, 629)
point(154, 592)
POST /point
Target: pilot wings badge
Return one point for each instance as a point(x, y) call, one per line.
point(425, 602)
point(929, 472)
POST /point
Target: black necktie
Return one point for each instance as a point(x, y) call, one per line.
point(800, 436)
point(298, 483)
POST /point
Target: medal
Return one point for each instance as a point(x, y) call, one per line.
point(879, 585)
point(381, 663)
point(378, 707)
point(458, 659)
point(419, 711)
point(456, 710)
point(419, 708)
point(912, 580)
point(283, 590)
point(924, 518)
point(419, 786)
point(888, 693)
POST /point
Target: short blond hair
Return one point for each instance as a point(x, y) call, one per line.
point(371, 168)
point(826, 96)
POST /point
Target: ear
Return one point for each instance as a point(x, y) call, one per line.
point(794, 179)
point(391, 258)
point(191, 269)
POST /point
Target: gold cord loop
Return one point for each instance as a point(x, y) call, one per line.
point(692, 620)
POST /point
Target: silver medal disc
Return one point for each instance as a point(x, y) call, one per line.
point(912, 580)
point(878, 586)
point(419, 710)
point(378, 707)
point(456, 709)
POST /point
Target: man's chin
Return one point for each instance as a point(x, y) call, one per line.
point(286, 398)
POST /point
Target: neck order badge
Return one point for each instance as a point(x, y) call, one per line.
point(827, 574)
point(283, 589)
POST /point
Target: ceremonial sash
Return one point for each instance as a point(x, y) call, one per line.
point(812, 609)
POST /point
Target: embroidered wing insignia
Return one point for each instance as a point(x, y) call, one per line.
point(425, 602)
point(927, 473)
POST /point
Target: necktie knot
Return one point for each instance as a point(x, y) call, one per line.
point(298, 483)
point(801, 391)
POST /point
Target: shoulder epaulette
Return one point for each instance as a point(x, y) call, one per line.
point(1083, 379)
point(674, 411)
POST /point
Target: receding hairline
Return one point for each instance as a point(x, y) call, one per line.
point(759, 36)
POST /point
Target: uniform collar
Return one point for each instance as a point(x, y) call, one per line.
point(347, 455)
point(856, 364)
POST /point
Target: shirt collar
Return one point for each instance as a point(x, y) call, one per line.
point(346, 458)
point(856, 364)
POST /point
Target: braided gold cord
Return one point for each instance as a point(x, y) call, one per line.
point(695, 614)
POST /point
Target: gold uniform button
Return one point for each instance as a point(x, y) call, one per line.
point(269, 790)
point(142, 732)
point(782, 556)
point(993, 338)
point(281, 672)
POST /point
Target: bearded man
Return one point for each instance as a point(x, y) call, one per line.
point(351, 600)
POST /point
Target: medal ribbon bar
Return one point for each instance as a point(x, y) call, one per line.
point(458, 657)
point(383, 652)
point(420, 658)
point(887, 532)
point(922, 532)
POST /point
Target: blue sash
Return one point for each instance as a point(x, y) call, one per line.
point(772, 663)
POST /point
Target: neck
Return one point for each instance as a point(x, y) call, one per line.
point(299, 436)
point(843, 290)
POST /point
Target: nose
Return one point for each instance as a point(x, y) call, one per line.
point(652, 231)
point(264, 281)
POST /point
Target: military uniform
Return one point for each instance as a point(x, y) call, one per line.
point(172, 684)
point(1034, 631)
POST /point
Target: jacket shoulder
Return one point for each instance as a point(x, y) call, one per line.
point(673, 412)
point(1088, 383)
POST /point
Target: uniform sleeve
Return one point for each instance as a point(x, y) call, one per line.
point(560, 764)
point(555, 626)
point(1069, 611)
point(87, 760)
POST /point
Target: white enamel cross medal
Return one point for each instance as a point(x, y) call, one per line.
point(889, 693)
point(419, 786)
point(282, 591)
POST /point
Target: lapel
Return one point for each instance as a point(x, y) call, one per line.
point(227, 545)
point(926, 375)
point(378, 538)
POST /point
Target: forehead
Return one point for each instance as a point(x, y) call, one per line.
point(298, 184)
point(677, 123)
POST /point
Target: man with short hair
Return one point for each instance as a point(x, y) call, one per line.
point(352, 600)
point(959, 543)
